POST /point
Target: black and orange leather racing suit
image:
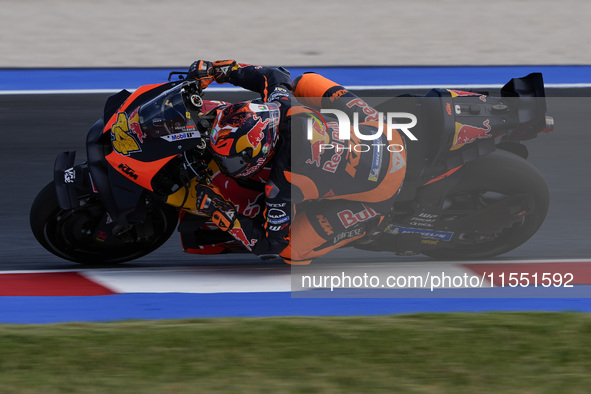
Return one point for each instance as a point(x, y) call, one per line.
point(322, 192)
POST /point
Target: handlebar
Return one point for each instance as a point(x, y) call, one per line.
point(181, 74)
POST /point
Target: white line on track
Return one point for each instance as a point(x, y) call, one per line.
point(352, 87)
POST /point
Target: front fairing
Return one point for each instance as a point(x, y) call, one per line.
point(146, 136)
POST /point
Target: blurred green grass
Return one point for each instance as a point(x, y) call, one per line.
point(422, 353)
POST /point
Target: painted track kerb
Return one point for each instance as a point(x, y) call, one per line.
point(158, 294)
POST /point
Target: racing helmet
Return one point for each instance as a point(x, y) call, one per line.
point(243, 136)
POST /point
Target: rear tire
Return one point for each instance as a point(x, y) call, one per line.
point(504, 174)
point(69, 233)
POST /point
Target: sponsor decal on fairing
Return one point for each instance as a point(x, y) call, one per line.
point(425, 233)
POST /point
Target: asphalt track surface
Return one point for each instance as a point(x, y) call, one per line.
point(35, 128)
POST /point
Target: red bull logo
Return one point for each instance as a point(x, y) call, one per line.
point(318, 138)
point(251, 169)
point(466, 134)
point(134, 126)
point(349, 218)
point(238, 233)
point(256, 135)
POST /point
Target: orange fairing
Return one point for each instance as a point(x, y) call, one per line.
point(137, 171)
point(141, 90)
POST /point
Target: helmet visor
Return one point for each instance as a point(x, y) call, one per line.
point(233, 165)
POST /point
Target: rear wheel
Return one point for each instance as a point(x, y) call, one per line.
point(83, 234)
point(490, 180)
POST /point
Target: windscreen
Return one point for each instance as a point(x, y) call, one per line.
point(164, 115)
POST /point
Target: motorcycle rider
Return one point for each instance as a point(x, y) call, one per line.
point(322, 192)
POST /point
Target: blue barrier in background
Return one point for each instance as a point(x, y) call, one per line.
point(127, 78)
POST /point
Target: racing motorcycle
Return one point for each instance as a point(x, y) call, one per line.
point(468, 193)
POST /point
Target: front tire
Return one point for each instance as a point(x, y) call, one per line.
point(71, 234)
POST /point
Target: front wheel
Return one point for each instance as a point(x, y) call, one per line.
point(83, 234)
point(487, 181)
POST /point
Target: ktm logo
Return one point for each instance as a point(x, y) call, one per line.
point(337, 94)
point(325, 224)
point(127, 170)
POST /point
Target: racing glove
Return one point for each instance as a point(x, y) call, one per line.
point(206, 72)
point(211, 202)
